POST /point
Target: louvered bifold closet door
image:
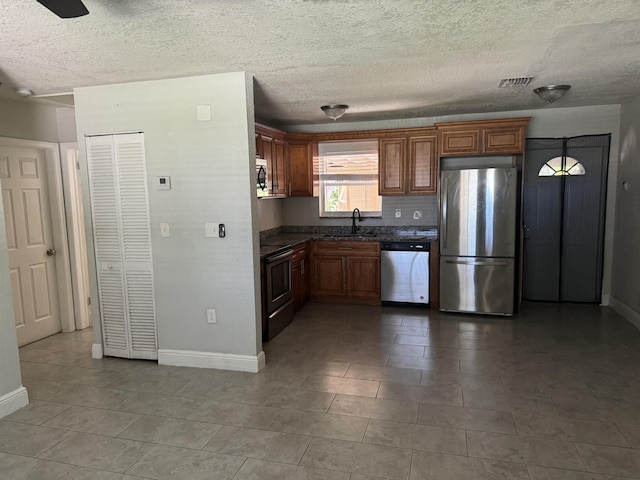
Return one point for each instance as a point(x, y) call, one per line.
point(136, 244)
point(120, 209)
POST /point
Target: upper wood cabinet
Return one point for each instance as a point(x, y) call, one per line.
point(503, 140)
point(408, 158)
point(408, 164)
point(484, 137)
point(391, 166)
point(460, 142)
point(423, 165)
point(278, 168)
point(271, 146)
point(300, 168)
point(259, 153)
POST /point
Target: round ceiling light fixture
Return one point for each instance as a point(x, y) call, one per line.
point(551, 93)
point(24, 92)
point(334, 111)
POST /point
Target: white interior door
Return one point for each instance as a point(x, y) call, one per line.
point(25, 196)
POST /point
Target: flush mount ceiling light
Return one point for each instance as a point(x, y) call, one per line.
point(334, 111)
point(551, 93)
point(24, 92)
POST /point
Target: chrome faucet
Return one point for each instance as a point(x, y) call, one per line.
point(353, 220)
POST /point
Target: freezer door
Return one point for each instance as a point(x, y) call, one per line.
point(477, 285)
point(478, 212)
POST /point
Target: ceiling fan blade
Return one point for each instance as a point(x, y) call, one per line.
point(65, 8)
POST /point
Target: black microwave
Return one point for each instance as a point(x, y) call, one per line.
point(262, 177)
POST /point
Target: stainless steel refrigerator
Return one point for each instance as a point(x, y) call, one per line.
point(478, 240)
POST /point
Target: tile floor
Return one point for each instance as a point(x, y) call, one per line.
point(349, 393)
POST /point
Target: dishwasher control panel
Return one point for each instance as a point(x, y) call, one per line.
point(405, 246)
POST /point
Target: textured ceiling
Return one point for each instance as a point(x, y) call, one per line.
point(387, 59)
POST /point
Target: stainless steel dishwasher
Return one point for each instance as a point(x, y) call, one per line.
point(404, 272)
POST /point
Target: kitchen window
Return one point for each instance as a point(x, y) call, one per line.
point(348, 178)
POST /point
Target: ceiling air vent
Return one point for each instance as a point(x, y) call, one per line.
point(515, 82)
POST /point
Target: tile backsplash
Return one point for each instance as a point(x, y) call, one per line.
point(304, 211)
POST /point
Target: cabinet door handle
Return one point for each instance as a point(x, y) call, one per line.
point(302, 267)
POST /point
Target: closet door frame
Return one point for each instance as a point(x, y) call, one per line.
point(125, 288)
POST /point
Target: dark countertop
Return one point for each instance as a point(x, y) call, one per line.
point(273, 240)
point(269, 249)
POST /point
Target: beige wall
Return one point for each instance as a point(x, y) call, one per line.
point(211, 165)
point(22, 119)
point(9, 362)
point(625, 289)
point(28, 120)
point(270, 213)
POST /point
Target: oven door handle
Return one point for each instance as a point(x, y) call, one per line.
point(279, 257)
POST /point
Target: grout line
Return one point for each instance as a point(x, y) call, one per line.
point(240, 468)
point(466, 442)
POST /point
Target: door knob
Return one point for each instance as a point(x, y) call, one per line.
point(51, 252)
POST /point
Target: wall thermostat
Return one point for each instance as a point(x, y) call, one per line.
point(163, 183)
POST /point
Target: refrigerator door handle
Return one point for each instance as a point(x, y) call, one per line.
point(445, 201)
point(478, 263)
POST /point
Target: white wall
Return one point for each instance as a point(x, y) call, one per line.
point(625, 289)
point(211, 165)
point(551, 121)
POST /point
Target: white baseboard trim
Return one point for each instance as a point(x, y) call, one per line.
point(630, 315)
point(221, 361)
point(96, 351)
point(13, 401)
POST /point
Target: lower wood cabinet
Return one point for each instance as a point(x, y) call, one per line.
point(345, 272)
point(300, 276)
point(363, 277)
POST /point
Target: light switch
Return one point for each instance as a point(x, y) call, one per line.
point(417, 214)
point(211, 230)
point(164, 230)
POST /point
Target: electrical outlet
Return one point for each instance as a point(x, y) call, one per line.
point(417, 214)
point(211, 315)
point(203, 113)
point(398, 213)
